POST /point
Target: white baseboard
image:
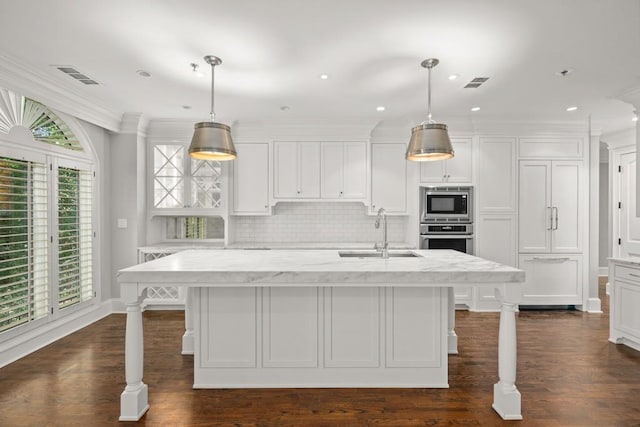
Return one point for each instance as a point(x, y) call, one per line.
point(603, 271)
point(24, 344)
point(594, 305)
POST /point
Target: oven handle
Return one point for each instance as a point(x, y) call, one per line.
point(447, 236)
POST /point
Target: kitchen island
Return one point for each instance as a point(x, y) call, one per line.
point(320, 318)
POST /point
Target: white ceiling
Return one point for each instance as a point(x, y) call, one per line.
point(274, 51)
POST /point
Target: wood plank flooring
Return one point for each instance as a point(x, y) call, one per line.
point(568, 374)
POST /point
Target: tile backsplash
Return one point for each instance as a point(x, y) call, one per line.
point(315, 222)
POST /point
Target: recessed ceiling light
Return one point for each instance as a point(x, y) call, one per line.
point(324, 76)
point(453, 76)
point(634, 119)
point(565, 72)
point(475, 108)
point(143, 73)
point(380, 108)
point(574, 108)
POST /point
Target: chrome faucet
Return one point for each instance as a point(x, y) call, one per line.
point(384, 248)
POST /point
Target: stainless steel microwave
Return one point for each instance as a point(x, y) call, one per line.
point(447, 204)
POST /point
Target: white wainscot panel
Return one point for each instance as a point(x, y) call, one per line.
point(351, 330)
point(413, 327)
point(228, 325)
point(290, 327)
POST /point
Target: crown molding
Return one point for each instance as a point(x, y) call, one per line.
point(631, 96)
point(20, 78)
point(134, 123)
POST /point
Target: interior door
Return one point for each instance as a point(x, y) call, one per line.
point(629, 232)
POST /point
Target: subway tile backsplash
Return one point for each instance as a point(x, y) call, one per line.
point(332, 222)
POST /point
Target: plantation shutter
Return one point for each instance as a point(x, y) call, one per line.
point(75, 236)
point(23, 241)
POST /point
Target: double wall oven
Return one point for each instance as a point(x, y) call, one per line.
point(446, 218)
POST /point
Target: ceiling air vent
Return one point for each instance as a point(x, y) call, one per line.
point(476, 83)
point(71, 71)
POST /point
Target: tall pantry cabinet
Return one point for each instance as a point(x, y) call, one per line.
point(552, 220)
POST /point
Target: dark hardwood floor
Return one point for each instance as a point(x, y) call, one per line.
point(568, 374)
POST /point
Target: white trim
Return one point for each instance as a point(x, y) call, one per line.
point(603, 271)
point(24, 344)
point(594, 305)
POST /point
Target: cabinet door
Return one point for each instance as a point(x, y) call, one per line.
point(354, 175)
point(535, 206)
point(332, 169)
point(432, 171)
point(285, 170)
point(459, 169)
point(169, 176)
point(552, 279)
point(309, 170)
point(251, 179)
point(566, 197)
point(388, 178)
point(497, 175)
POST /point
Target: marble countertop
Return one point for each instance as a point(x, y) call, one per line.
point(181, 246)
point(317, 267)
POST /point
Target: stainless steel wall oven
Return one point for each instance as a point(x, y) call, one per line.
point(446, 219)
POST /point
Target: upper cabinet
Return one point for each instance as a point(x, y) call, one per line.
point(497, 175)
point(180, 184)
point(344, 170)
point(455, 170)
point(251, 179)
point(296, 170)
point(388, 178)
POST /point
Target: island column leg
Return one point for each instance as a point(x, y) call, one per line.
point(134, 400)
point(506, 397)
point(188, 337)
point(452, 338)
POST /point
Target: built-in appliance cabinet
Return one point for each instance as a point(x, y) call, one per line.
point(180, 185)
point(296, 170)
point(552, 211)
point(456, 170)
point(552, 279)
point(251, 179)
point(388, 178)
point(624, 303)
point(343, 169)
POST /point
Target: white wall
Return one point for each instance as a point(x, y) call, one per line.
point(604, 216)
point(315, 222)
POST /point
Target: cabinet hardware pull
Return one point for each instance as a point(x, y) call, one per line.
point(634, 275)
point(558, 259)
point(550, 218)
point(556, 216)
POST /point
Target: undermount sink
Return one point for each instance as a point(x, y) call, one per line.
point(376, 254)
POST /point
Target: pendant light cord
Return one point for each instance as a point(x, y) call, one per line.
point(429, 95)
point(212, 114)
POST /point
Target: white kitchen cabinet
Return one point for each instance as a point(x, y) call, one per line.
point(455, 170)
point(388, 178)
point(497, 175)
point(296, 168)
point(251, 179)
point(551, 207)
point(344, 170)
point(181, 185)
point(624, 320)
point(552, 279)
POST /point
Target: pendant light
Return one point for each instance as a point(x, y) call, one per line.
point(212, 140)
point(429, 140)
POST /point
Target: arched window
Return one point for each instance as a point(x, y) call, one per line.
point(46, 216)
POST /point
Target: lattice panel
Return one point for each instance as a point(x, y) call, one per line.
point(166, 294)
point(163, 292)
point(206, 181)
point(168, 176)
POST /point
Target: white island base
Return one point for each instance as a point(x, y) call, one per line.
point(320, 337)
point(313, 319)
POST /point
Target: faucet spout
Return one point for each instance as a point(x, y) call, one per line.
point(384, 248)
